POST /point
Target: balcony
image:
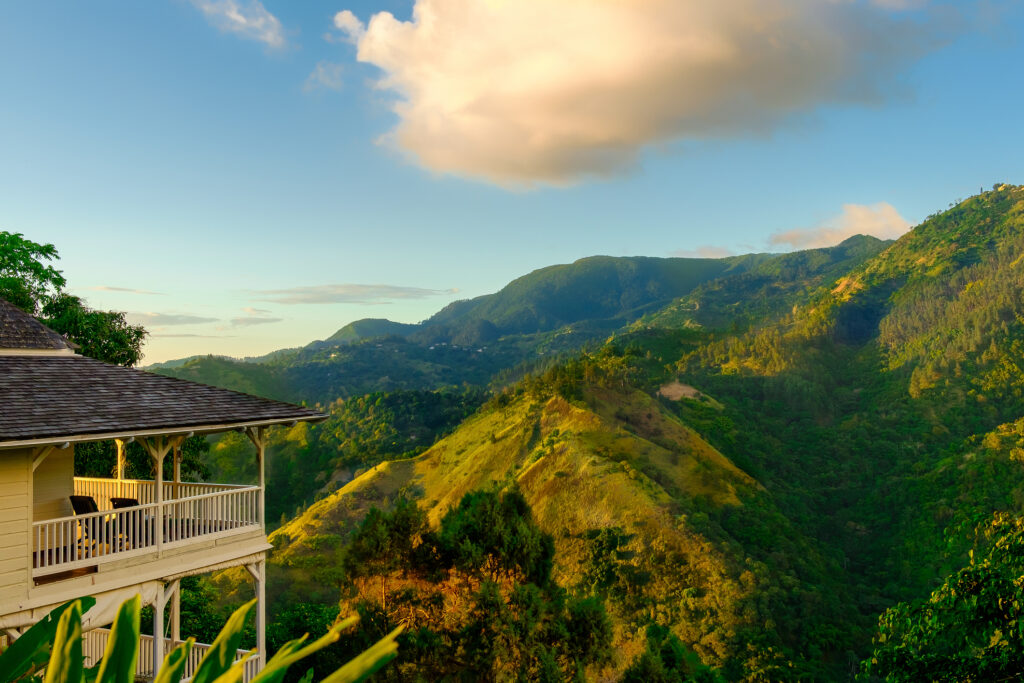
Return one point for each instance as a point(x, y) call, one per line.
point(187, 513)
point(95, 642)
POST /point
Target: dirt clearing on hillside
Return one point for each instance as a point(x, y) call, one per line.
point(674, 391)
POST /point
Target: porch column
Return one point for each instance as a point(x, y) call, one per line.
point(158, 448)
point(259, 575)
point(159, 506)
point(258, 437)
point(177, 471)
point(120, 466)
point(176, 614)
point(158, 630)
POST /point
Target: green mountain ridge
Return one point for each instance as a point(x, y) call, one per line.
point(535, 320)
point(832, 428)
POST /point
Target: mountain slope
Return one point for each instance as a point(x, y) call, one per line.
point(837, 427)
point(536, 318)
point(613, 459)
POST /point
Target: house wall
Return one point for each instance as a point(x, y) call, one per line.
point(52, 483)
point(15, 521)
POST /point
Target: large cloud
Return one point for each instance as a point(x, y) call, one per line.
point(880, 220)
point(526, 91)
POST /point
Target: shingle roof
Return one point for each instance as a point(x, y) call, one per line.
point(63, 396)
point(19, 330)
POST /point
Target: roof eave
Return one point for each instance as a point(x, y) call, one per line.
point(162, 431)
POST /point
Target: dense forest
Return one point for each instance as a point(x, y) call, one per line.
point(805, 466)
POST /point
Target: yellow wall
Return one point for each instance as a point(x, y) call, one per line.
point(52, 483)
point(15, 499)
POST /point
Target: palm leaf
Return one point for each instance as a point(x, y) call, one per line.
point(31, 650)
point(66, 663)
point(221, 655)
point(118, 665)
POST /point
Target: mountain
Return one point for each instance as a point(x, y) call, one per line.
point(609, 458)
point(765, 464)
point(548, 314)
point(369, 328)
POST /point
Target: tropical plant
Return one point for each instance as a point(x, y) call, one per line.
point(51, 652)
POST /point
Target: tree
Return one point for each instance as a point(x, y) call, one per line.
point(668, 660)
point(103, 335)
point(385, 542)
point(26, 280)
point(971, 628)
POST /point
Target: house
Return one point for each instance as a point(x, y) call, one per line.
point(143, 536)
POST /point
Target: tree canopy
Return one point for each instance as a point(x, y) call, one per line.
point(30, 282)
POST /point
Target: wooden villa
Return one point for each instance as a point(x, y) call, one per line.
point(64, 537)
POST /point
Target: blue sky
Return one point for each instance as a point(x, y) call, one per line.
point(188, 150)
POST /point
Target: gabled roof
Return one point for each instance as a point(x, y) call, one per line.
point(19, 330)
point(48, 394)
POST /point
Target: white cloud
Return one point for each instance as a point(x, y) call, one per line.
point(255, 311)
point(250, 320)
point(247, 18)
point(349, 24)
point(533, 91)
point(198, 336)
point(704, 251)
point(324, 75)
point(105, 288)
point(349, 294)
point(879, 220)
point(151, 318)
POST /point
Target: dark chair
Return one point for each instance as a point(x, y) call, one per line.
point(87, 543)
point(83, 505)
point(132, 530)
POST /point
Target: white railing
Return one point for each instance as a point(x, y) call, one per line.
point(142, 490)
point(87, 540)
point(211, 513)
point(95, 642)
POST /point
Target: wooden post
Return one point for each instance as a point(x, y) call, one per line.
point(120, 465)
point(158, 629)
point(159, 504)
point(259, 575)
point(258, 437)
point(176, 613)
point(158, 447)
point(176, 488)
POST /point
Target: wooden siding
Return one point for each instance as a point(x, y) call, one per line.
point(15, 519)
point(52, 483)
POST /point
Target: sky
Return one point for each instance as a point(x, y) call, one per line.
point(242, 176)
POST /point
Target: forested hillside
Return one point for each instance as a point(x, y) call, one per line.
point(530, 324)
point(741, 483)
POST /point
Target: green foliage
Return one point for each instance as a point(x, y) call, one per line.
point(360, 433)
point(104, 335)
point(30, 653)
point(30, 283)
point(492, 533)
point(972, 626)
point(668, 660)
point(55, 643)
point(26, 278)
